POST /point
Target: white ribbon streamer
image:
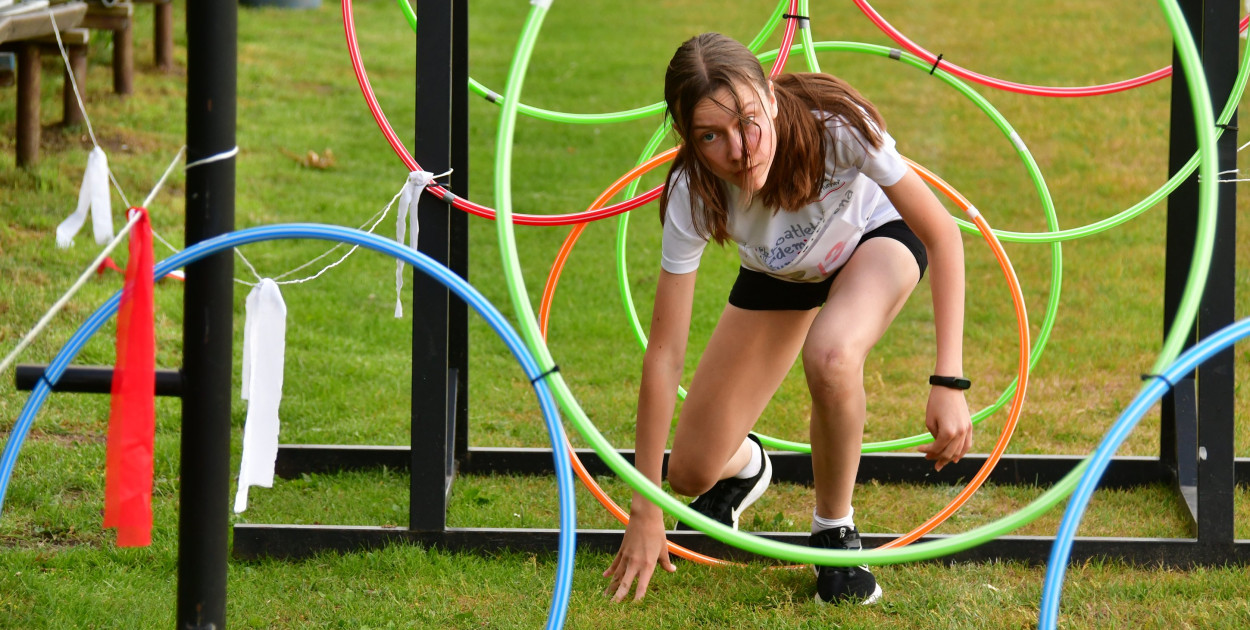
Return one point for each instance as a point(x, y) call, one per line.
point(408, 199)
point(264, 351)
point(93, 196)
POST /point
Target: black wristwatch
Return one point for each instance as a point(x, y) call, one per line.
point(953, 382)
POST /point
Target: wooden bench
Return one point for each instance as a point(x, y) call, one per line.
point(116, 18)
point(162, 32)
point(20, 33)
point(76, 42)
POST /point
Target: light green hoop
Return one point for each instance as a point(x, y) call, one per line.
point(1205, 125)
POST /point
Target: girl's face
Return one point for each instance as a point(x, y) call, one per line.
point(740, 159)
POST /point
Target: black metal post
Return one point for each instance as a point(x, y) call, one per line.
point(434, 391)
point(203, 518)
point(1197, 417)
point(458, 324)
point(1220, 46)
point(1179, 421)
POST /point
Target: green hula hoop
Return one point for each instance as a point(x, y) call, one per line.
point(1205, 124)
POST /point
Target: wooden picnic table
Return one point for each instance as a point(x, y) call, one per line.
point(118, 17)
point(22, 32)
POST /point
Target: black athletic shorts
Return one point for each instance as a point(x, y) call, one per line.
point(755, 291)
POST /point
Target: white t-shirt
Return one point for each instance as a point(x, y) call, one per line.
point(807, 245)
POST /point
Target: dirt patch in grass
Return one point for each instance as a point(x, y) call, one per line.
point(120, 140)
point(74, 438)
point(50, 538)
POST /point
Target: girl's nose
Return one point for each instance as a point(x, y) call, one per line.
point(736, 152)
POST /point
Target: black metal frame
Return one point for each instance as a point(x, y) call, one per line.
point(1197, 420)
point(1196, 445)
point(208, 318)
point(437, 376)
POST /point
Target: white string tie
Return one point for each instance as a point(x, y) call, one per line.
point(93, 197)
point(264, 353)
point(409, 198)
point(213, 158)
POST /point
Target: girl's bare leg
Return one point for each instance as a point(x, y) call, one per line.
point(864, 299)
point(746, 359)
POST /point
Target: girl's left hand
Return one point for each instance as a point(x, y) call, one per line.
point(947, 418)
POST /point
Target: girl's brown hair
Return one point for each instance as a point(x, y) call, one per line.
point(709, 63)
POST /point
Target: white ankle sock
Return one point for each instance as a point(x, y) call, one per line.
point(753, 467)
point(820, 524)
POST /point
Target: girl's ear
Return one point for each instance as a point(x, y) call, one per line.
point(772, 101)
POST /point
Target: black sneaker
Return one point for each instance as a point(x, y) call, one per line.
point(843, 584)
point(730, 497)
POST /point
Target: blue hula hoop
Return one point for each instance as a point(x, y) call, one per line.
point(555, 431)
point(1060, 551)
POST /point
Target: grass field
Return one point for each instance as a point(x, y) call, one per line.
point(349, 360)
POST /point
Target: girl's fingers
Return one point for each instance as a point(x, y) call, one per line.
point(622, 591)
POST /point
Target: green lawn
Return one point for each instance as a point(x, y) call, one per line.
point(349, 360)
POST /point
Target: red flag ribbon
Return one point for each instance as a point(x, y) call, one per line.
point(132, 414)
point(106, 265)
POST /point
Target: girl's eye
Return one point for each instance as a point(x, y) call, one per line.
point(708, 137)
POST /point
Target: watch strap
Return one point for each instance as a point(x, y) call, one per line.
point(953, 382)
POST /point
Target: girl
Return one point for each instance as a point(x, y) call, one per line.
point(833, 231)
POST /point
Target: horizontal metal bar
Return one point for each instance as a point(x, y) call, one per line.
point(92, 379)
point(1042, 470)
point(300, 541)
point(296, 459)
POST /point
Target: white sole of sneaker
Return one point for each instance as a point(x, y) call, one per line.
point(766, 477)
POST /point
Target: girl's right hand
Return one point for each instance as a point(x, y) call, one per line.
point(643, 546)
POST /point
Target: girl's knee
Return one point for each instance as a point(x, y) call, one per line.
point(689, 480)
point(832, 365)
